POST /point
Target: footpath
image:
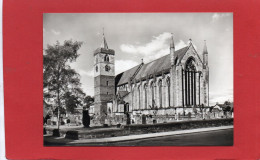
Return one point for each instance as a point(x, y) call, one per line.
point(63, 141)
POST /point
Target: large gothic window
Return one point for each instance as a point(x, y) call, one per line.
point(190, 82)
point(160, 92)
point(190, 65)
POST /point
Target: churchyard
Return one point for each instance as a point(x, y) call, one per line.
point(115, 127)
point(80, 133)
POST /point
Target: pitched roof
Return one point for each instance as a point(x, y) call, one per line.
point(127, 74)
point(181, 52)
point(155, 66)
point(122, 93)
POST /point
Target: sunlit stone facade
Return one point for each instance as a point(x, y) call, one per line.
point(172, 84)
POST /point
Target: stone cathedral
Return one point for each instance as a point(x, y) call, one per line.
point(176, 83)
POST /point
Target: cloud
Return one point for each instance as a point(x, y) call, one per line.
point(123, 65)
point(156, 48)
point(120, 66)
point(217, 16)
point(89, 73)
point(155, 45)
point(55, 32)
point(221, 96)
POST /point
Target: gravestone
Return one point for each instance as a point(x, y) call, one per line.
point(48, 121)
point(128, 120)
point(189, 116)
point(143, 119)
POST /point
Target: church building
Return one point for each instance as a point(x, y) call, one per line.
point(176, 83)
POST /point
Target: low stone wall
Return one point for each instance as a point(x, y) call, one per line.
point(162, 127)
point(148, 128)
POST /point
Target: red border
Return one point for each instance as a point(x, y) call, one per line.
point(22, 46)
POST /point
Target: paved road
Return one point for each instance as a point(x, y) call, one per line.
point(212, 138)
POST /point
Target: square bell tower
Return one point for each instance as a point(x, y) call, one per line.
point(104, 79)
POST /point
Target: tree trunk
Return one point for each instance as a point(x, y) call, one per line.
point(58, 110)
point(58, 91)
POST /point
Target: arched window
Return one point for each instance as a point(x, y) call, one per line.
point(160, 92)
point(152, 92)
point(145, 96)
point(106, 58)
point(96, 68)
point(168, 91)
point(133, 92)
point(107, 68)
point(190, 82)
point(139, 96)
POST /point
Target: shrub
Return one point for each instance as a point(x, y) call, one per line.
point(72, 135)
point(56, 133)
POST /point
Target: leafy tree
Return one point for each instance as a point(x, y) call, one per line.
point(72, 101)
point(61, 111)
point(227, 103)
point(88, 100)
point(58, 77)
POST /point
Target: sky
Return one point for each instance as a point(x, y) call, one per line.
point(136, 36)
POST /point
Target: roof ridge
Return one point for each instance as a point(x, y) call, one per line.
point(137, 70)
point(166, 55)
point(186, 47)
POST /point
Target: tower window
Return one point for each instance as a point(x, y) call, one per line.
point(106, 58)
point(107, 93)
point(96, 68)
point(107, 68)
point(107, 83)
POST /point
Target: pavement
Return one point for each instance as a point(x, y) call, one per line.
point(63, 141)
point(222, 137)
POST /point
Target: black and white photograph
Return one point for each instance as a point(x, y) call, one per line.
point(138, 79)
